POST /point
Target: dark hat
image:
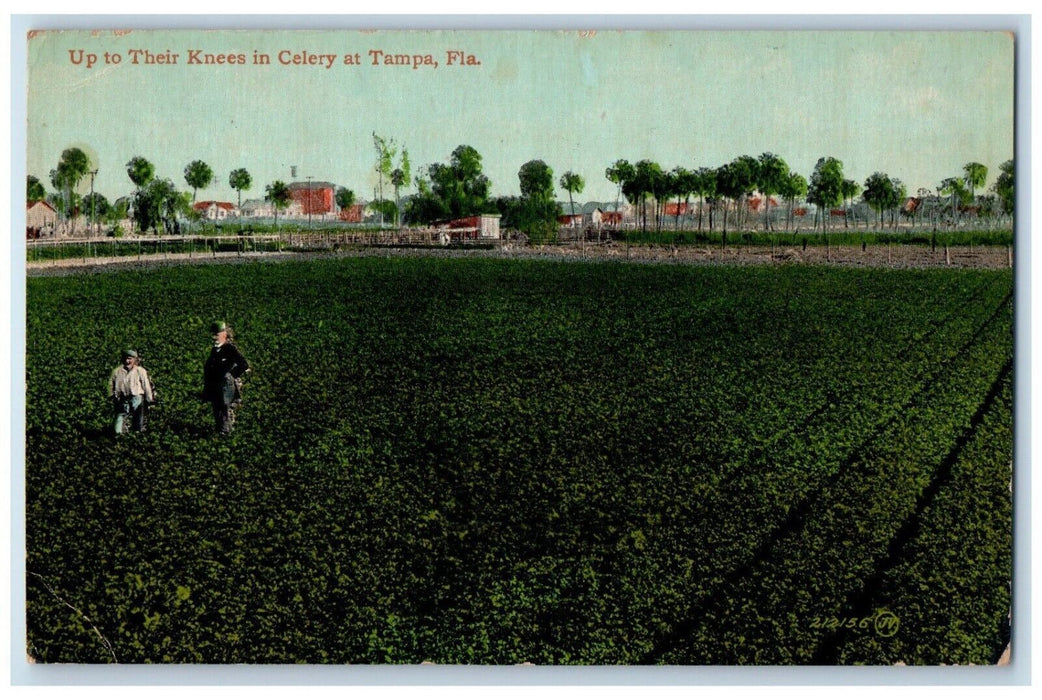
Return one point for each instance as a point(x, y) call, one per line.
point(218, 326)
point(129, 353)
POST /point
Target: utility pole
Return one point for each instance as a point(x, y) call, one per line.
point(309, 202)
point(93, 174)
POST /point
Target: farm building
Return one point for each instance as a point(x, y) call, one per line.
point(759, 203)
point(257, 208)
point(215, 211)
point(479, 226)
point(313, 198)
point(40, 218)
point(678, 209)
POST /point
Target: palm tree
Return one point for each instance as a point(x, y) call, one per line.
point(239, 180)
point(573, 183)
point(72, 167)
point(976, 176)
point(278, 194)
point(140, 172)
point(198, 175)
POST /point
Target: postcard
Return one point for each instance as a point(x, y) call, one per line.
point(520, 348)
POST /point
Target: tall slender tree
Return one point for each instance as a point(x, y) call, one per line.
point(704, 182)
point(793, 188)
point(400, 177)
point(849, 189)
point(771, 174)
point(239, 180)
point(572, 183)
point(647, 180)
point(619, 173)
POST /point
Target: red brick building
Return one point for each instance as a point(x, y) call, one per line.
point(316, 198)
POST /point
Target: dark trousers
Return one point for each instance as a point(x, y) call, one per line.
point(223, 416)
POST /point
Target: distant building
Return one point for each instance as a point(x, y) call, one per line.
point(678, 209)
point(40, 219)
point(314, 198)
point(215, 211)
point(257, 208)
point(479, 226)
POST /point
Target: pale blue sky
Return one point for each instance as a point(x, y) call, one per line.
point(916, 105)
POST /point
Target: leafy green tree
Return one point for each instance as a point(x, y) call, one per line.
point(385, 208)
point(825, 189)
point(536, 211)
point(1004, 187)
point(96, 205)
point(736, 180)
point(140, 171)
point(239, 180)
point(198, 175)
point(619, 173)
point(277, 193)
point(771, 173)
point(34, 189)
point(345, 198)
point(898, 194)
point(400, 177)
point(385, 152)
point(158, 205)
point(955, 187)
point(425, 207)
point(704, 180)
point(461, 185)
point(683, 184)
point(849, 189)
point(647, 180)
point(536, 180)
point(884, 194)
point(793, 187)
point(878, 193)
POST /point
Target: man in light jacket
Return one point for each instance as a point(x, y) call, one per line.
point(131, 391)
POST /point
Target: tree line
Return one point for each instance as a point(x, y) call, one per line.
point(725, 194)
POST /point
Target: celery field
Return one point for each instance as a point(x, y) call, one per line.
point(482, 461)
